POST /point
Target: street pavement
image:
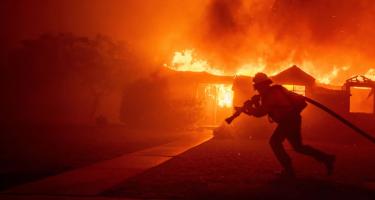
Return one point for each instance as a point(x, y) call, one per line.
point(88, 182)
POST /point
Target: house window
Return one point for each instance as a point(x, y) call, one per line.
point(299, 89)
point(361, 100)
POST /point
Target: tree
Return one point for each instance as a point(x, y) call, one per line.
point(61, 78)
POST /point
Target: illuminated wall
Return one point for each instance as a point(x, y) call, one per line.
point(299, 89)
point(360, 100)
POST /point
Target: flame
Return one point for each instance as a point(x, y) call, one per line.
point(334, 73)
point(370, 74)
point(225, 95)
point(186, 61)
point(251, 69)
point(221, 93)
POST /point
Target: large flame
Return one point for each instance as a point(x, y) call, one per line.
point(332, 40)
point(225, 95)
point(221, 93)
point(186, 61)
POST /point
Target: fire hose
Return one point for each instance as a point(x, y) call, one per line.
point(341, 119)
point(317, 104)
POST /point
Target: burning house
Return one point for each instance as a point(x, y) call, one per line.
point(355, 97)
point(213, 93)
point(354, 100)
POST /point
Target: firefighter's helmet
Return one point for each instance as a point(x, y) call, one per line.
point(261, 78)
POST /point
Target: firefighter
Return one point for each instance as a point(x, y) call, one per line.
point(284, 108)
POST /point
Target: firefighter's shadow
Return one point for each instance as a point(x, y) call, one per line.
point(311, 188)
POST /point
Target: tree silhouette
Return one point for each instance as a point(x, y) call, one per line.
point(62, 77)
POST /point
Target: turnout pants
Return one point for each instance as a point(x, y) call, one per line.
point(291, 130)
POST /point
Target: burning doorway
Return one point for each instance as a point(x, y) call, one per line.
point(217, 100)
point(361, 100)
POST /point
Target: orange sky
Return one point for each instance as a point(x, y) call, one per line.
point(149, 22)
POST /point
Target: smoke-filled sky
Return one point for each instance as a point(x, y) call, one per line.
point(151, 23)
point(333, 39)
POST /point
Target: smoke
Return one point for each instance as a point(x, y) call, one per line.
point(332, 38)
point(155, 27)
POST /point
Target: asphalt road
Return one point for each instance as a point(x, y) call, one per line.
point(245, 169)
